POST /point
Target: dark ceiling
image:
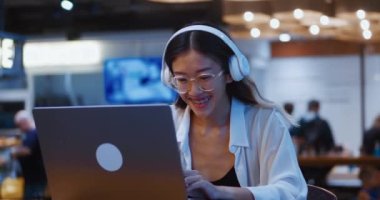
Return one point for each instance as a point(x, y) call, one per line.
point(36, 17)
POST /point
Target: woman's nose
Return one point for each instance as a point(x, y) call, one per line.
point(194, 88)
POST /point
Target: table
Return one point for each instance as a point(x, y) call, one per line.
point(325, 161)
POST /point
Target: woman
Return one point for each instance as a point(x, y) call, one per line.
point(233, 143)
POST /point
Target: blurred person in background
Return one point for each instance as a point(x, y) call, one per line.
point(289, 108)
point(297, 141)
point(30, 158)
point(315, 138)
point(370, 177)
point(315, 131)
point(371, 139)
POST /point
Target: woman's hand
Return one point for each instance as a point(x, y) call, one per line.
point(198, 187)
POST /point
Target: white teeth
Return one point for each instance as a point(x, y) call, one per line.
point(200, 101)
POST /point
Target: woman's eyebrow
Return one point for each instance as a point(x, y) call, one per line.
point(198, 71)
point(203, 70)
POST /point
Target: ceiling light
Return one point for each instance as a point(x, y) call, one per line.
point(324, 20)
point(304, 18)
point(248, 16)
point(364, 24)
point(284, 37)
point(8, 42)
point(8, 63)
point(314, 29)
point(67, 5)
point(274, 23)
point(7, 53)
point(246, 13)
point(360, 14)
point(367, 34)
point(75, 53)
point(298, 13)
point(255, 32)
point(357, 9)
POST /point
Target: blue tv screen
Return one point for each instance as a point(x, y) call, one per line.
point(135, 81)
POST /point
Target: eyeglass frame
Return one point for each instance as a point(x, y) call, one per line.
point(214, 76)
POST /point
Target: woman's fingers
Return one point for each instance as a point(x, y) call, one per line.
point(195, 183)
point(189, 180)
point(190, 173)
point(198, 184)
point(192, 176)
point(206, 187)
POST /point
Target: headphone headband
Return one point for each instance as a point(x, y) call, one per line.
point(240, 67)
point(208, 29)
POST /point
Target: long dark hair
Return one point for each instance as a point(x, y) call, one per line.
point(212, 46)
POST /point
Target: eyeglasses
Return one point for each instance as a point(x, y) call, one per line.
point(204, 81)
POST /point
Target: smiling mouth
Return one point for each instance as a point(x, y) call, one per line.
point(199, 103)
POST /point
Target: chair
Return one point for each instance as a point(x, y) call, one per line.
point(318, 193)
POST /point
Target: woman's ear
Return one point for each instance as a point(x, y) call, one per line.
point(229, 78)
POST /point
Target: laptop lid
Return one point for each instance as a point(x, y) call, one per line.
point(110, 152)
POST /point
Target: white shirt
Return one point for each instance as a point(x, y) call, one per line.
point(265, 159)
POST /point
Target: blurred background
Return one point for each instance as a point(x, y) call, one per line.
point(97, 52)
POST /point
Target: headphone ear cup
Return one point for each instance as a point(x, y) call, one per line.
point(244, 66)
point(166, 75)
point(234, 69)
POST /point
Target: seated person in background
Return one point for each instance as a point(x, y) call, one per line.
point(233, 143)
point(371, 138)
point(314, 131)
point(370, 177)
point(289, 107)
point(297, 141)
point(30, 158)
point(315, 138)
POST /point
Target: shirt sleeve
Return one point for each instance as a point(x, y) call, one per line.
point(280, 175)
point(31, 140)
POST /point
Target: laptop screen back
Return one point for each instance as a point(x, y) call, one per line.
point(110, 152)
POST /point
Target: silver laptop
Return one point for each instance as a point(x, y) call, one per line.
point(110, 152)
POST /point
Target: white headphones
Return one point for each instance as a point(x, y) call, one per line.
point(238, 64)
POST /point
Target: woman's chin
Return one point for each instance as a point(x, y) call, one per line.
point(200, 110)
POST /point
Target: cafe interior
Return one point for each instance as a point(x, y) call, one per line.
point(73, 52)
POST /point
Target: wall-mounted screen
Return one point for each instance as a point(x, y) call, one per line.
point(135, 81)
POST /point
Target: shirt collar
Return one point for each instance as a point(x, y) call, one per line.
point(184, 126)
point(183, 138)
point(238, 129)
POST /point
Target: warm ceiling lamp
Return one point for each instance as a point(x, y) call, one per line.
point(301, 17)
point(363, 19)
point(354, 9)
point(246, 12)
point(287, 10)
point(179, 1)
point(247, 18)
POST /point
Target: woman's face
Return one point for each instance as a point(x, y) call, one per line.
point(192, 64)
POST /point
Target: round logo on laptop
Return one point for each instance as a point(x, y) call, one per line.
point(109, 157)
